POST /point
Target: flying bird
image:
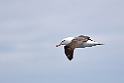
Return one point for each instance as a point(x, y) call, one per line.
point(76, 42)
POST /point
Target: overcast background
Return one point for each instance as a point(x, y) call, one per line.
point(30, 29)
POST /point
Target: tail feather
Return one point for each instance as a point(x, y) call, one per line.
point(100, 44)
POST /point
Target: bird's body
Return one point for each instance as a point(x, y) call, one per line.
point(89, 43)
point(76, 42)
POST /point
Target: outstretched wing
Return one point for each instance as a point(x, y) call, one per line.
point(77, 41)
point(69, 52)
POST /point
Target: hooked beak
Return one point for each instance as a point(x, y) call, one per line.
point(59, 44)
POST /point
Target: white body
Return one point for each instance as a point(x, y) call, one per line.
point(89, 43)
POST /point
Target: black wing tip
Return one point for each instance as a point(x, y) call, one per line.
point(101, 44)
point(69, 58)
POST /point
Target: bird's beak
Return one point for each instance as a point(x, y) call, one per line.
point(59, 44)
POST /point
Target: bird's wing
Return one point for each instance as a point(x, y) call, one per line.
point(77, 41)
point(83, 38)
point(69, 52)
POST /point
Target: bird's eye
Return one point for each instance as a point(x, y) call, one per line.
point(63, 40)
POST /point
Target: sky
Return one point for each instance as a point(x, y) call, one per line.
point(30, 29)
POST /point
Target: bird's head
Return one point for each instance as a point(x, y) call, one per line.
point(61, 43)
point(65, 41)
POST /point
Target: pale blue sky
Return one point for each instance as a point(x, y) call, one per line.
point(30, 29)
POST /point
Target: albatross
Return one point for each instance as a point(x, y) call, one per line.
point(76, 42)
